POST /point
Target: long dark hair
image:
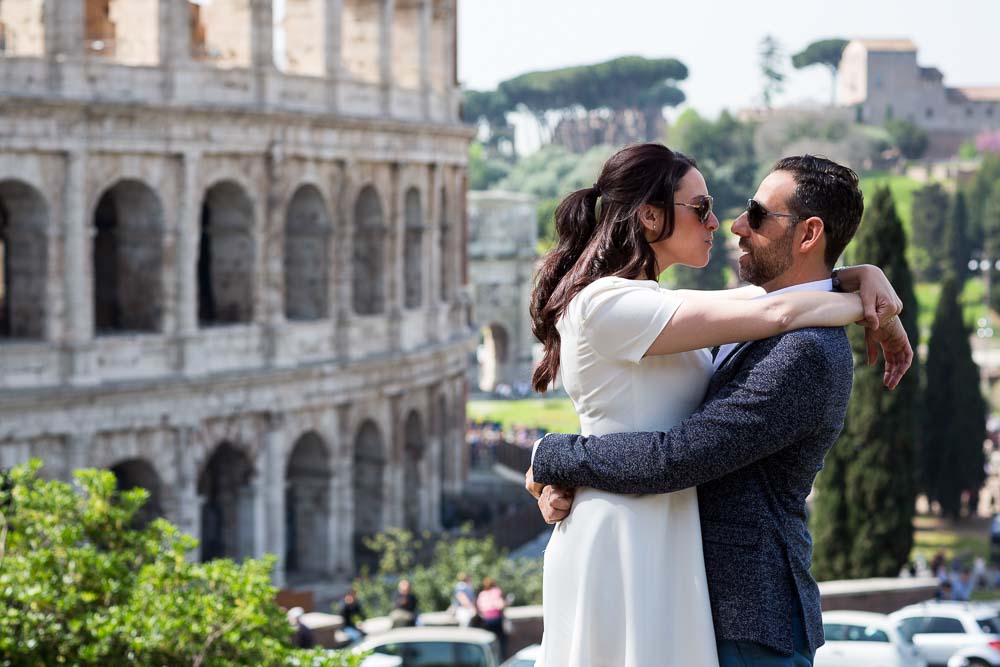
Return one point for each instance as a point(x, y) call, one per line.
point(610, 240)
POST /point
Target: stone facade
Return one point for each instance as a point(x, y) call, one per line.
point(881, 80)
point(239, 287)
point(503, 235)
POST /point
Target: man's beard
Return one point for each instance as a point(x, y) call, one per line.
point(764, 265)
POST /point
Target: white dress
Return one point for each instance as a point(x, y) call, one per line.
point(624, 576)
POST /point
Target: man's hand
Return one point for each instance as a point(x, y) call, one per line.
point(553, 502)
point(896, 349)
point(878, 298)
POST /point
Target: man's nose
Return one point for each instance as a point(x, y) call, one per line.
point(740, 226)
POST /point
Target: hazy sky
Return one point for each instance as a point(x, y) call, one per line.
point(718, 39)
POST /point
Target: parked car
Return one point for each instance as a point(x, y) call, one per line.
point(863, 639)
point(435, 647)
point(526, 657)
point(943, 630)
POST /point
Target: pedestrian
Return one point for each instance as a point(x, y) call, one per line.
point(404, 612)
point(491, 604)
point(463, 601)
point(302, 637)
point(351, 612)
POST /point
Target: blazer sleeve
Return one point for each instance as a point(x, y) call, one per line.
point(766, 407)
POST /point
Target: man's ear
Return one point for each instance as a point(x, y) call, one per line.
point(813, 234)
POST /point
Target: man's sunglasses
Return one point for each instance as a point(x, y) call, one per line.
point(703, 207)
point(756, 214)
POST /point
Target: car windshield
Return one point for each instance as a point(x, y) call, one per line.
point(437, 654)
point(845, 632)
point(990, 626)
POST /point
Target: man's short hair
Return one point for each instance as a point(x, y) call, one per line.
point(829, 191)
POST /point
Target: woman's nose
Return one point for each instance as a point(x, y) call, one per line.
point(713, 222)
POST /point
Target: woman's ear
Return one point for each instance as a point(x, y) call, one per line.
point(651, 218)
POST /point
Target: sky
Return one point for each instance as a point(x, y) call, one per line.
point(718, 40)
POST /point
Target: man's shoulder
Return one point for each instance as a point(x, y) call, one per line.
point(823, 349)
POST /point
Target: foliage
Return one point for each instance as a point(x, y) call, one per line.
point(827, 132)
point(826, 52)
point(977, 193)
point(991, 231)
point(954, 410)
point(81, 585)
point(929, 211)
point(714, 276)
point(911, 139)
point(863, 520)
point(988, 141)
point(555, 415)
point(490, 108)
point(771, 68)
point(956, 247)
point(434, 584)
point(485, 171)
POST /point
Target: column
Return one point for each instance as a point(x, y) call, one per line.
point(386, 17)
point(79, 367)
point(432, 239)
point(77, 446)
point(426, 87)
point(394, 281)
point(343, 493)
point(64, 42)
point(435, 456)
point(175, 42)
point(271, 277)
point(188, 517)
point(188, 358)
point(262, 49)
point(274, 490)
point(343, 262)
point(334, 36)
point(393, 481)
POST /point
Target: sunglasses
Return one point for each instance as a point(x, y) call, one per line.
point(703, 207)
point(756, 214)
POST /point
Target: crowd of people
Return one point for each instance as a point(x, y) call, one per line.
point(957, 580)
point(484, 437)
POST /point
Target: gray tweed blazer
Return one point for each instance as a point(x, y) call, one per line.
point(753, 449)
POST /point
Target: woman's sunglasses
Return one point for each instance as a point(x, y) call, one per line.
point(756, 214)
point(703, 207)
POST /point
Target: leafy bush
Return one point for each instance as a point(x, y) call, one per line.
point(433, 584)
point(81, 585)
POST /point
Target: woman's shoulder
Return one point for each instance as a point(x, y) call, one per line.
point(608, 288)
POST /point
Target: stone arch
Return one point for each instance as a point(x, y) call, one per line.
point(220, 32)
point(126, 31)
point(369, 484)
point(226, 256)
point(308, 520)
point(225, 487)
point(413, 252)
point(24, 224)
point(369, 289)
point(360, 37)
point(493, 353)
point(139, 473)
point(128, 259)
point(22, 29)
point(307, 253)
point(414, 447)
point(300, 37)
point(444, 245)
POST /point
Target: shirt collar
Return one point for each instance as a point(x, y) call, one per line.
point(815, 286)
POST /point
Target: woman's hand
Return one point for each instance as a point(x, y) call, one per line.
point(896, 349)
point(878, 298)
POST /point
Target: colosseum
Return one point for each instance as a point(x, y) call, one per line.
point(232, 239)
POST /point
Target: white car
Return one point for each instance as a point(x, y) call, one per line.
point(953, 633)
point(434, 647)
point(526, 657)
point(864, 639)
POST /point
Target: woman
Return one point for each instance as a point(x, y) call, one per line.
point(490, 603)
point(624, 581)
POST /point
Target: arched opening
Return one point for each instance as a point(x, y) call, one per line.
point(307, 252)
point(405, 43)
point(413, 460)
point(227, 510)
point(300, 37)
point(22, 31)
point(360, 22)
point(308, 521)
point(220, 32)
point(493, 351)
point(138, 473)
point(369, 492)
point(413, 252)
point(128, 259)
point(24, 221)
point(444, 246)
point(126, 31)
point(369, 254)
point(226, 256)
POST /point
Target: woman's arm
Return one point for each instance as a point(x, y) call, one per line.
point(708, 322)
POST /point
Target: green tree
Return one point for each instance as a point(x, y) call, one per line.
point(954, 409)
point(490, 107)
point(865, 495)
point(928, 214)
point(911, 140)
point(977, 193)
point(80, 585)
point(826, 52)
point(991, 236)
point(485, 171)
point(714, 276)
point(956, 245)
point(772, 69)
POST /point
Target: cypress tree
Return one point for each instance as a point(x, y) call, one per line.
point(956, 246)
point(928, 219)
point(954, 409)
point(863, 520)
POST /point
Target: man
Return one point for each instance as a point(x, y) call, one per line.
point(404, 612)
point(773, 409)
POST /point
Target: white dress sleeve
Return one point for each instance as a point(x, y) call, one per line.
point(622, 318)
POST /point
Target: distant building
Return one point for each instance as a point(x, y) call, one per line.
point(881, 80)
point(503, 233)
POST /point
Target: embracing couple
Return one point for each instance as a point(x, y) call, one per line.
point(682, 535)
